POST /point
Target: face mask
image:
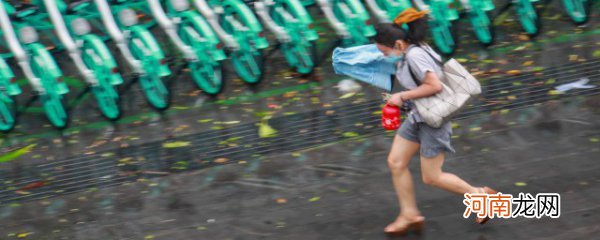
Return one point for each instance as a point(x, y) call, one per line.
point(394, 58)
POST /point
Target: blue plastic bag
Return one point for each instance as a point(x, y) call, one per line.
point(364, 63)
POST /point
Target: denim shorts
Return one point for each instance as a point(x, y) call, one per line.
point(433, 140)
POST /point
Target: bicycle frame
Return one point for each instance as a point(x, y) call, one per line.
point(37, 63)
point(349, 19)
point(292, 26)
point(195, 39)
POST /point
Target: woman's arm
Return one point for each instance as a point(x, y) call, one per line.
point(431, 85)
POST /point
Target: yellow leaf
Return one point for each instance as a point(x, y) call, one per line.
point(176, 144)
point(16, 153)
point(350, 134)
point(513, 72)
point(265, 131)
point(520, 184)
point(528, 63)
point(573, 57)
point(23, 235)
point(314, 199)
point(475, 129)
point(594, 139)
point(347, 95)
point(554, 92)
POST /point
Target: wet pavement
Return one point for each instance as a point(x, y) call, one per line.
point(342, 190)
point(294, 158)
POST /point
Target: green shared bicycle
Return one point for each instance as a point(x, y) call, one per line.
point(136, 44)
point(440, 23)
point(349, 19)
point(87, 50)
point(195, 39)
point(241, 32)
point(293, 28)
point(35, 60)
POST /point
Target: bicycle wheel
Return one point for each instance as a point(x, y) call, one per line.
point(443, 38)
point(105, 93)
point(7, 112)
point(248, 65)
point(482, 27)
point(578, 10)
point(207, 74)
point(528, 17)
point(51, 99)
point(152, 85)
point(299, 56)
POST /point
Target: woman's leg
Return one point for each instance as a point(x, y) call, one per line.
point(431, 169)
point(400, 154)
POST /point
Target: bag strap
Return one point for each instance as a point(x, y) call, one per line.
point(412, 74)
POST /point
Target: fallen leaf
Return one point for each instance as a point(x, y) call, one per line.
point(314, 199)
point(573, 57)
point(513, 72)
point(12, 155)
point(348, 95)
point(475, 129)
point(176, 144)
point(350, 134)
point(520, 184)
point(33, 185)
point(281, 200)
point(24, 235)
point(594, 139)
point(554, 92)
point(265, 130)
point(528, 63)
point(221, 160)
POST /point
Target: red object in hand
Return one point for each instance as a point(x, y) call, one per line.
point(390, 117)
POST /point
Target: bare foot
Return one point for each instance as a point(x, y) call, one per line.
point(402, 224)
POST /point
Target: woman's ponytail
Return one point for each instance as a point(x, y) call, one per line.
point(417, 31)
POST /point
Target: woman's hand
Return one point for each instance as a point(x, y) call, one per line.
point(396, 99)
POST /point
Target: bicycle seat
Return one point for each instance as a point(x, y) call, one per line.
point(75, 6)
point(23, 10)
